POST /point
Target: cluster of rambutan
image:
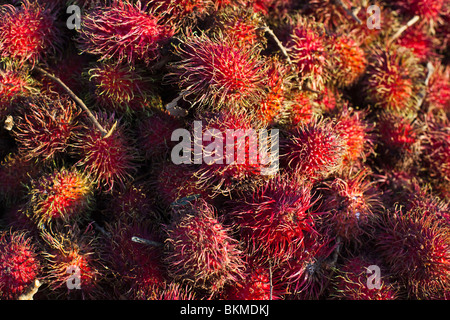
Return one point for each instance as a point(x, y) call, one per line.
point(356, 106)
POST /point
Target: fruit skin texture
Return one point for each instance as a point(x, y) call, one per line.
point(108, 160)
point(28, 32)
point(415, 247)
point(47, 128)
point(20, 264)
point(313, 150)
point(60, 195)
point(427, 9)
point(124, 32)
point(13, 85)
point(200, 251)
point(274, 219)
point(438, 89)
point(350, 283)
point(215, 72)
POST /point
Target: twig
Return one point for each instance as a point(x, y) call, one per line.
point(32, 291)
point(403, 28)
point(147, 242)
point(348, 11)
point(77, 100)
point(423, 92)
point(173, 108)
point(278, 42)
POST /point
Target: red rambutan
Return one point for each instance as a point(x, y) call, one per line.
point(216, 72)
point(299, 108)
point(426, 9)
point(13, 85)
point(47, 128)
point(200, 250)
point(438, 89)
point(124, 32)
point(109, 160)
point(313, 150)
point(396, 133)
point(19, 263)
point(170, 291)
point(28, 33)
point(63, 194)
point(419, 42)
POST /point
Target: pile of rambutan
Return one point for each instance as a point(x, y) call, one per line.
point(134, 164)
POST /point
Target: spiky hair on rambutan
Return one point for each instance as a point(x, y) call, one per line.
point(232, 160)
point(72, 259)
point(307, 49)
point(419, 42)
point(199, 249)
point(169, 291)
point(20, 263)
point(357, 133)
point(134, 251)
point(438, 89)
point(426, 9)
point(347, 60)
point(119, 87)
point(351, 206)
point(300, 108)
point(314, 150)
point(28, 32)
point(274, 219)
point(183, 11)
point(351, 281)
point(124, 32)
point(392, 79)
point(64, 194)
point(213, 72)
point(110, 159)
point(47, 128)
point(416, 249)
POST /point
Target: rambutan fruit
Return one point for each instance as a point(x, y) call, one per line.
point(15, 173)
point(391, 80)
point(120, 87)
point(415, 247)
point(72, 263)
point(357, 134)
point(134, 252)
point(200, 251)
point(183, 10)
point(299, 108)
point(20, 265)
point(47, 128)
point(155, 133)
point(235, 161)
point(124, 32)
point(352, 279)
point(313, 150)
point(28, 32)
point(438, 89)
point(306, 46)
point(326, 101)
point(274, 219)
point(170, 291)
point(396, 133)
point(426, 9)
point(216, 72)
point(63, 194)
point(109, 159)
point(351, 205)
point(419, 42)
point(347, 60)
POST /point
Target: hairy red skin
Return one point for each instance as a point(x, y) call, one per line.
point(351, 280)
point(20, 264)
point(13, 85)
point(426, 9)
point(47, 128)
point(438, 89)
point(200, 250)
point(28, 32)
point(124, 32)
point(419, 42)
point(397, 133)
point(215, 72)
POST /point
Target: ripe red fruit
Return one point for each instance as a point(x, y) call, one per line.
point(391, 80)
point(306, 46)
point(200, 250)
point(71, 259)
point(416, 248)
point(13, 85)
point(347, 60)
point(119, 87)
point(215, 72)
point(426, 9)
point(170, 291)
point(28, 33)
point(19, 263)
point(397, 134)
point(47, 128)
point(63, 194)
point(124, 32)
point(274, 219)
point(299, 108)
point(352, 205)
point(351, 282)
point(108, 160)
point(419, 42)
point(438, 89)
point(314, 150)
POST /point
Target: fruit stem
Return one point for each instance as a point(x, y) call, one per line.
point(348, 11)
point(280, 45)
point(173, 108)
point(78, 100)
point(147, 242)
point(32, 291)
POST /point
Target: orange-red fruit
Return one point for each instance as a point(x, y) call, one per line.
point(396, 133)
point(438, 89)
point(19, 263)
point(200, 250)
point(13, 85)
point(28, 33)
